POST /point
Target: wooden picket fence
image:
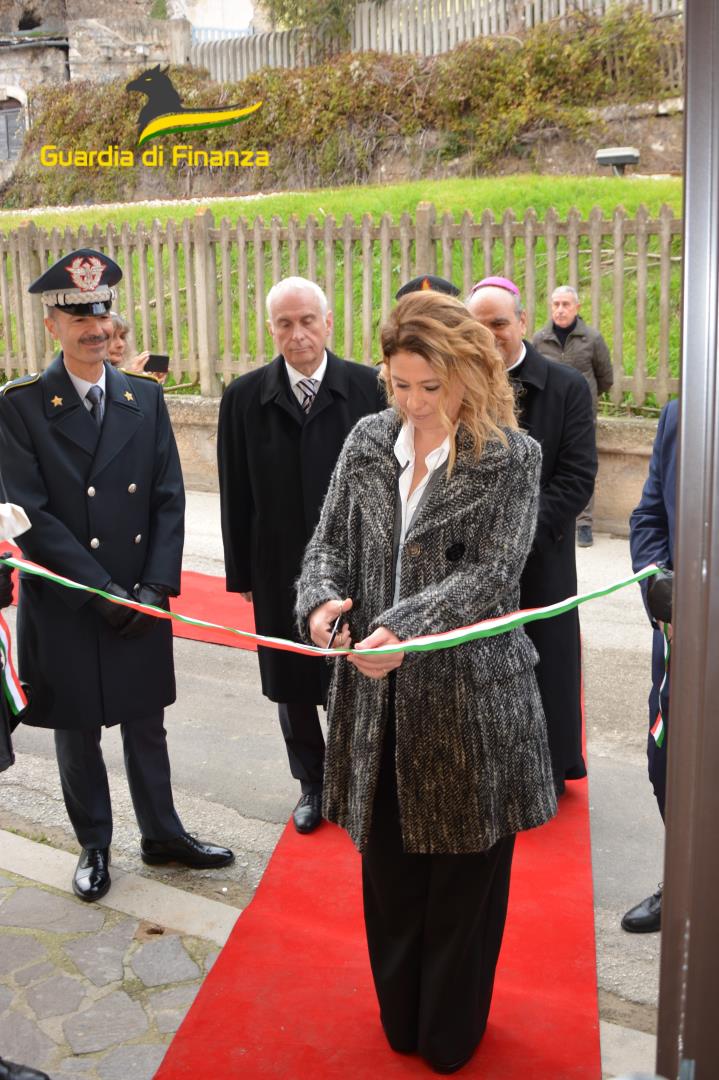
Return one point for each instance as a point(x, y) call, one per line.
point(420, 27)
point(196, 289)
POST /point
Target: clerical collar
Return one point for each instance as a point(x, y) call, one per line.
point(516, 363)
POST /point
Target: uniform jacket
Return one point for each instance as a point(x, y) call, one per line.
point(275, 463)
point(472, 757)
point(585, 349)
point(651, 532)
point(555, 408)
point(105, 504)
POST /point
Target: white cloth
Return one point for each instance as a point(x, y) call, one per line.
point(294, 376)
point(13, 521)
point(522, 355)
point(82, 386)
point(404, 452)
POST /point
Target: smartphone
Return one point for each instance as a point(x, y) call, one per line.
point(157, 362)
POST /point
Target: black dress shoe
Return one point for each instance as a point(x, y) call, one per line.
point(645, 918)
point(308, 813)
point(92, 875)
point(10, 1071)
point(184, 849)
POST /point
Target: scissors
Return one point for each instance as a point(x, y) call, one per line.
point(335, 630)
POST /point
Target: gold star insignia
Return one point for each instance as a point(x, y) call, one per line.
point(129, 396)
point(56, 401)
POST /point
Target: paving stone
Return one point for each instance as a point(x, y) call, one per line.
point(6, 997)
point(32, 974)
point(170, 1006)
point(18, 950)
point(112, 1020)
point(210, 958)
point(21, 1040)
point(138, 1062)
point(55, 997)
point(100, 958)
point(34, 908)
point(73, 1068)
point(164, 961)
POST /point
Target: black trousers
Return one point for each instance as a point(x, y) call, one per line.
point(434, 931)
point(305, 744)
point(85, 788)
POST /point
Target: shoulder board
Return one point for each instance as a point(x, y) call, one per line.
point(138, 374)
point(25, 380)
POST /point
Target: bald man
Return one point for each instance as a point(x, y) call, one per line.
point(555, 408)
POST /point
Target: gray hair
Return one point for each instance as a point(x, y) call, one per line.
point(289, 283)
point(119, 323)
point(566, 289)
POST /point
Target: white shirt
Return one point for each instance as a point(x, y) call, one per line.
point(294, 376)
point(404, 452)
point(82, 386)
point(522, 355)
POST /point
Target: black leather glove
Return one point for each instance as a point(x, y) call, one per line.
point(115, 614)
point(139, 624)
point(5, 582)
point(659, 596)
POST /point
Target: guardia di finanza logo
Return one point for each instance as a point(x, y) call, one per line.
point(164, 114)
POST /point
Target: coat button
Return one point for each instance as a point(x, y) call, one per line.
point(94, 543)
point(91, 491)
point(137, 539)
point(132, 488)
point(413, 550)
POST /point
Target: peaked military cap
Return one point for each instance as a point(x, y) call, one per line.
point(430, 282)
point(80, 283)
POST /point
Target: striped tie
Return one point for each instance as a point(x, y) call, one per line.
point(309, 388)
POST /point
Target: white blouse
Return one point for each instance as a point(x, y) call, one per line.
point(404, 452)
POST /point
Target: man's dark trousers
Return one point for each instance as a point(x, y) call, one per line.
point(305, 743)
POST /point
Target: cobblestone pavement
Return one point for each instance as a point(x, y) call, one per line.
point(88, 992)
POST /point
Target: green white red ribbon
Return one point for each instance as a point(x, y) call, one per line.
point(659, 728)
point(427, 643)
point(11, 685)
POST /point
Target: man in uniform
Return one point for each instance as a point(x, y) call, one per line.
point(280, 433)
point(651, 540)
point(555, 408)
point(88, 451)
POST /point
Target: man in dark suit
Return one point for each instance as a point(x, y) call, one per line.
point(281, 430)
point(651, 540)
point(88, 451)
point(555, 408)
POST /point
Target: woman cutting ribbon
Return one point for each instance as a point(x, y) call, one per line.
point(434, 760)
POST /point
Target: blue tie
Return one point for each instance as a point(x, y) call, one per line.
point(95, 395)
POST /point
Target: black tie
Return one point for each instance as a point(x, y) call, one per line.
point(95, 395)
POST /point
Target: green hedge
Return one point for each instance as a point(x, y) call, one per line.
point(331, 123)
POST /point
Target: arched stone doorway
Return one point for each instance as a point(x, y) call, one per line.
point(12, 128)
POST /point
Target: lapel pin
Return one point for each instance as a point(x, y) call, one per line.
point(56, 401)
point(129, 396)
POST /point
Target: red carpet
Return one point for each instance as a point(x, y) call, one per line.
point(291, 994)
point(205, 597)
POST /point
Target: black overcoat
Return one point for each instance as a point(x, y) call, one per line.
point(555, 408)
point(104, 504)
point(275, 465)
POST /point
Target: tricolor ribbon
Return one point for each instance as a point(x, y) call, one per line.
point(11, 685)
point(659, 728)
point(426, 643)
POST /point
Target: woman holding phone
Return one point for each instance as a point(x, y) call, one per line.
point(434, 760)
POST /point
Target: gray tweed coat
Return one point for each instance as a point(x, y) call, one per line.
point(472, 758)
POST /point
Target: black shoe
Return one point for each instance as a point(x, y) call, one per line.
point(308, 813)
point(645, 918)
point(584, 536)
point(184, 849)
point(10, 1071)
point(445, 1070)
point(92, 876)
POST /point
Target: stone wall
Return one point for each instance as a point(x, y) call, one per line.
point(107, 50)
point(625, 447)
point(28, 68)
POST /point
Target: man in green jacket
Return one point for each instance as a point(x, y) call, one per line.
point(568, 339)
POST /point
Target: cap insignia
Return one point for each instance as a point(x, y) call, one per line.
point(86, 273)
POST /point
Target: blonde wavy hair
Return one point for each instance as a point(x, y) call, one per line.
point(457, 347)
